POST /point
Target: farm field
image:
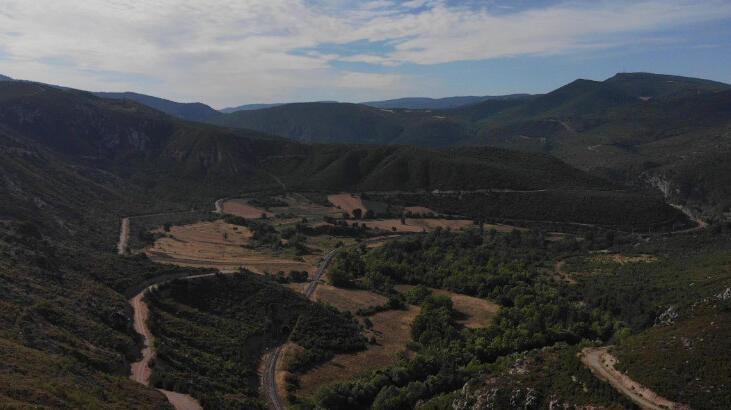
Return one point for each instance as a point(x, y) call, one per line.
point(221, 246)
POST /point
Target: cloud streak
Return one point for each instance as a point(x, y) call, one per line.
point(231, 51)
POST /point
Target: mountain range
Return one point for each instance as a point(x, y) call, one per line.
point(631, 128)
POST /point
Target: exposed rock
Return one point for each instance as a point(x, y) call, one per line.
point(725, 295)
point(668, 317)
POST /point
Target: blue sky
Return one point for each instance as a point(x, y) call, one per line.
point(230, 52)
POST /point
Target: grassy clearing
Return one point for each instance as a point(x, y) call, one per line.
point(473, 312)
point(391, 331)
point(242, 208)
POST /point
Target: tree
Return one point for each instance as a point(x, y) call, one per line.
point(357, 213)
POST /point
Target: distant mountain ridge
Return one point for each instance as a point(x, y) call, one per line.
point(187, 111)
point(5, 78)
point(424, 103)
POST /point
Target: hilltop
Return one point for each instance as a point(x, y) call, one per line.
point(187, 111)
point(422, 103)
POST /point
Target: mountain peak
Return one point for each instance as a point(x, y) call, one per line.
point(5, 78)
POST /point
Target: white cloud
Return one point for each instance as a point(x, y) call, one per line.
point(232, 51)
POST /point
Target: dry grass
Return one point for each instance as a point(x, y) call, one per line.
point(391, 330)
point(419, 210)
point(241, 207)
point(624, 259)
point(348, 299)
point(301, 206)
point(347, 202)
point(221, 246)
point(417, 224)
point(476, 312)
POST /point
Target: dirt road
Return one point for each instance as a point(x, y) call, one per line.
point(140, 370)
point(123, 236)
point(700, 224)
point(601, 363)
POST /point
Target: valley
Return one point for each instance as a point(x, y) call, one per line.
point(151, 262)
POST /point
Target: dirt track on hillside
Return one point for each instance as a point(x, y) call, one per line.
point(140, 370)
point(601, 363)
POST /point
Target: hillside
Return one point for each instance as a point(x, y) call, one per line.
point(247, 107)
point(350, 123)
point(186, 111)
point(421, 103)
point(5, 78)
point(627, 128)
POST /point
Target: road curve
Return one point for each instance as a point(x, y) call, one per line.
point(601, 363)
point(123, 236)
point(269, 380)
point(140, 370)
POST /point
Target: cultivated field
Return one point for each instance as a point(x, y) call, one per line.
point(221, 246)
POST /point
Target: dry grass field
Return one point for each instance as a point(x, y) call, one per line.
point(419, 210)
point(348, 299)
point(476, 312)
point(624, 259)
point(347, 202)
point(417, 224)
point(391, 330)
point(221, 246)
point(241, 207)
point(302, 207)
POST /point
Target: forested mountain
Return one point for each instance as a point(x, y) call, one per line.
point(186, 111)
point(630, 127)
point(5, 78)
point(421, 103)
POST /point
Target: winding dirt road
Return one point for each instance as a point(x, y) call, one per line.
point(140, 370)
point(601, 363)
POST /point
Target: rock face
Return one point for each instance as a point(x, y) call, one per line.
point(497, 394)
point(492, 395)
point(725, 295)
point(668, 317)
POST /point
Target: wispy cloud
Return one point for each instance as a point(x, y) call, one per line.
point(232, 51)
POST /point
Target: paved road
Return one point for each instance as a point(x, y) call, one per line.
point(269, 380)
point(601, 363)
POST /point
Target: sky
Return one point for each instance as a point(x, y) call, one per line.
point(232, 52)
